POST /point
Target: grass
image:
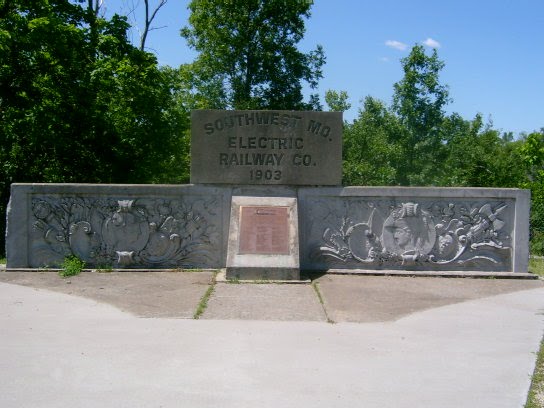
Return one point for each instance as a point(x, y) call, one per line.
point(105, 268)
point(3, 261)
point(71, 266)
point(315, 285)
point(203, 304)
point(535, 398)
point(536, 266)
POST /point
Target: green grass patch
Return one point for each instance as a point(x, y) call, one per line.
point(535, 399)
point(536, 266)
point(71, 266)
point(3, 261)
point(203, 304)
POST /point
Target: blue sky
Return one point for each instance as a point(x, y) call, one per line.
point(493, 50)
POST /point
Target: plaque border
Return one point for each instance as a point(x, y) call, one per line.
point(263, 266)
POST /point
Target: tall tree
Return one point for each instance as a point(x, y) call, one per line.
point(419, 100)
point(250, 47)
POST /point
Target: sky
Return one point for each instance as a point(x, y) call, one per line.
point(493, 50)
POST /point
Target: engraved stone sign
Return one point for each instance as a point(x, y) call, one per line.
point(263, 238)
point(266, 147)
point(264, 230)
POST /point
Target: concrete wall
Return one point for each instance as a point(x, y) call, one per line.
point(159, 226)
point(127, 226)
point(421, 229)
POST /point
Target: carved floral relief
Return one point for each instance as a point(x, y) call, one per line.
point(381, 234)
point(127, 233)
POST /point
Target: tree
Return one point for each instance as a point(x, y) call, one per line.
point(370, 151)
point(419, 100)
point(250, 47)
point(532, 154)
point(337, 101)
point(79, 103)
point(479, 156)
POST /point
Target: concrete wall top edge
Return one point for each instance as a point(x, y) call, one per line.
point(350, 191)
point(77, 188)
point(438, 192)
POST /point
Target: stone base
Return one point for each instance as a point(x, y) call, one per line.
point(268, 274)
point(263, 239)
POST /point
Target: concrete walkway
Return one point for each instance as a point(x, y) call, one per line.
point(456, 343)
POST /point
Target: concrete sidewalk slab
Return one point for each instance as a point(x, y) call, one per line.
point(58, 350)
point(157, 294)
point(264, 302)
point(384, 298)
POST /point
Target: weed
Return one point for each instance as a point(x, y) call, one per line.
point(318, 293)
point(204, 302)
point(104, 269)
point(320, 297)
point(71, 266)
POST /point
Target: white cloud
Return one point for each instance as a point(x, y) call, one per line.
point(429, 42)
point(384, 59)
point(396, 44)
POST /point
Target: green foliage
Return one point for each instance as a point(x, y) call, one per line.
point(337, 101)
point(532, 156)
point(248, 52)
point(79, 103)
point(479, 156)
point(419, 100)
point(370, 149)
point(532, 153)
point(71, 266)
point(537, 219)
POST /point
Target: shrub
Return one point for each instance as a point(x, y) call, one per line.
point(71, 266)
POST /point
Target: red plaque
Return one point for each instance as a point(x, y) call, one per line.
point(264, 230)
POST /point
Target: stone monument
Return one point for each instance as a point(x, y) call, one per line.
point(266, 202)
point(265, 148)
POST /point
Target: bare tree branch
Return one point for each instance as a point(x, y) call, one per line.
point(95, 6)
point(149, 20)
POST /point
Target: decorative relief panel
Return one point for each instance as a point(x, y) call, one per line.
point(126, 233)
point(423, 234)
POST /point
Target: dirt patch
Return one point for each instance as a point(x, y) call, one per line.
point(385, 298)
point(144, 294)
